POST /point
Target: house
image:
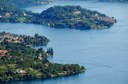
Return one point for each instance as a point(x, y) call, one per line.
point(0, 16)
point(40, 57)
point(24, 14)
point(76, 12)
point(20, 71)
point(7, 14)
point(3, 52)
point(17, 41)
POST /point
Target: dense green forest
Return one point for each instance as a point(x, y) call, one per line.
point(18, 61)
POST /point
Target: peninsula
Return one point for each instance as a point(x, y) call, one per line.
point(18, 61)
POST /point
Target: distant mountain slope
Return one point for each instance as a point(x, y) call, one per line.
point(115, 0)
point(7, 5)
point(99, 0)
point(30, 2)
point(22, 3)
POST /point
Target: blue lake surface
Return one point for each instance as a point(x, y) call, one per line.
point(103, 52)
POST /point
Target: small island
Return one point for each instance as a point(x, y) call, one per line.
point(75, 17)
point(18, 61)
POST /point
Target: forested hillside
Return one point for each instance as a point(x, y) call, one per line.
point(114, 0)
point(74, 17)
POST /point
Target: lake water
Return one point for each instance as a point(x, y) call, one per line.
point(103, 52)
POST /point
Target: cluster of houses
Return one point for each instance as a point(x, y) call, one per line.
point(105, 18)
point(9, 14)
point(10, 38)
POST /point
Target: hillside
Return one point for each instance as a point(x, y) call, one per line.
point(24, 3)
point(75, 17)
